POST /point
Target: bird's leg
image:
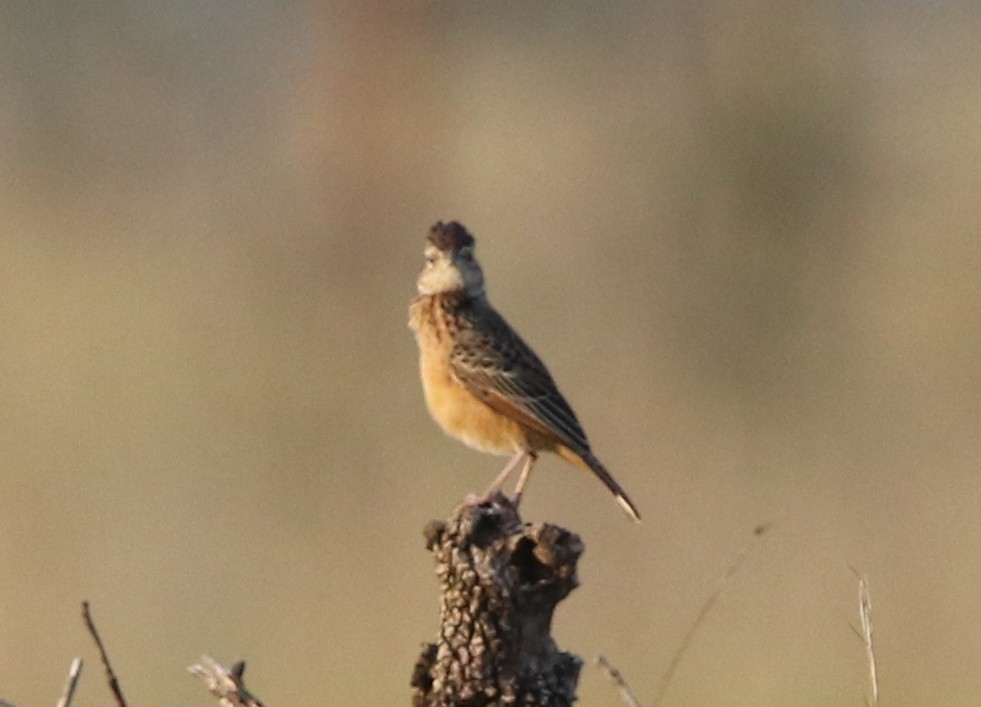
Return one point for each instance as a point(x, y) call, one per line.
point(503, 476)
point(523, 479)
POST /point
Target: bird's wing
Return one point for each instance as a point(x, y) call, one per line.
point(493, 363)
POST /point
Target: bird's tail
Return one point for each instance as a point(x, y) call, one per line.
point(588, 461)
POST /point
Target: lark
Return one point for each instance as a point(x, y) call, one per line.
point(483, 384)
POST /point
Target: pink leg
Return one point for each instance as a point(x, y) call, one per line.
point(503, 476)
point(523, 479)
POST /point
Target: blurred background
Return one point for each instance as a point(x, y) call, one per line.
point(744, 237)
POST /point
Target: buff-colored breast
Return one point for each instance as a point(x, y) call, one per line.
point(458, 412)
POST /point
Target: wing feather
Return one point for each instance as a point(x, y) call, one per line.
point(496, 365)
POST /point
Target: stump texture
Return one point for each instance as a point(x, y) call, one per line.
point(500, 581)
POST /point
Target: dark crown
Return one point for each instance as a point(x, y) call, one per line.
point(449, 236)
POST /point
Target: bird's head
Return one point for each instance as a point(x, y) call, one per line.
point(450, 262)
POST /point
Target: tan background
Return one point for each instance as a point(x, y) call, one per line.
point(745, 239)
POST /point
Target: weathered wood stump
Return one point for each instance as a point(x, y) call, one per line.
point(500, 581)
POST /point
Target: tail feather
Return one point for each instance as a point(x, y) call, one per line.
point(588, 461)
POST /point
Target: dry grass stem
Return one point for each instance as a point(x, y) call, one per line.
point(110, 674)
point(616, 677)
point(225, 684)
point(666, 679)
point(865, 615)
point(74, 673)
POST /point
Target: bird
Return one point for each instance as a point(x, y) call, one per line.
point(482, 383)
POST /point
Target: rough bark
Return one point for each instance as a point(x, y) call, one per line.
point(500, 581)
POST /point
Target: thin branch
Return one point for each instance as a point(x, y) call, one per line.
point(110, 675)
point(758, 532)
point(227, 685)
point(74, 673)
point(616, 677)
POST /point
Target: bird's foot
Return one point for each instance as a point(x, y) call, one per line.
point(490, 497)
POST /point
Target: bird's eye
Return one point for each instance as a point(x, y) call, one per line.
point(466, 253)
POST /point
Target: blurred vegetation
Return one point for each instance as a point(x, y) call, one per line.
point(745, 238)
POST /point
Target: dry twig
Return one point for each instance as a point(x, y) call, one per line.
point(227, 685)
point(110, 674)
point(74, 673)
point(616, 677)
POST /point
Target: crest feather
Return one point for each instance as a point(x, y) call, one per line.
point(450, 236)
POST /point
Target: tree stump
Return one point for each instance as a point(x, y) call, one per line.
point(500, 581)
